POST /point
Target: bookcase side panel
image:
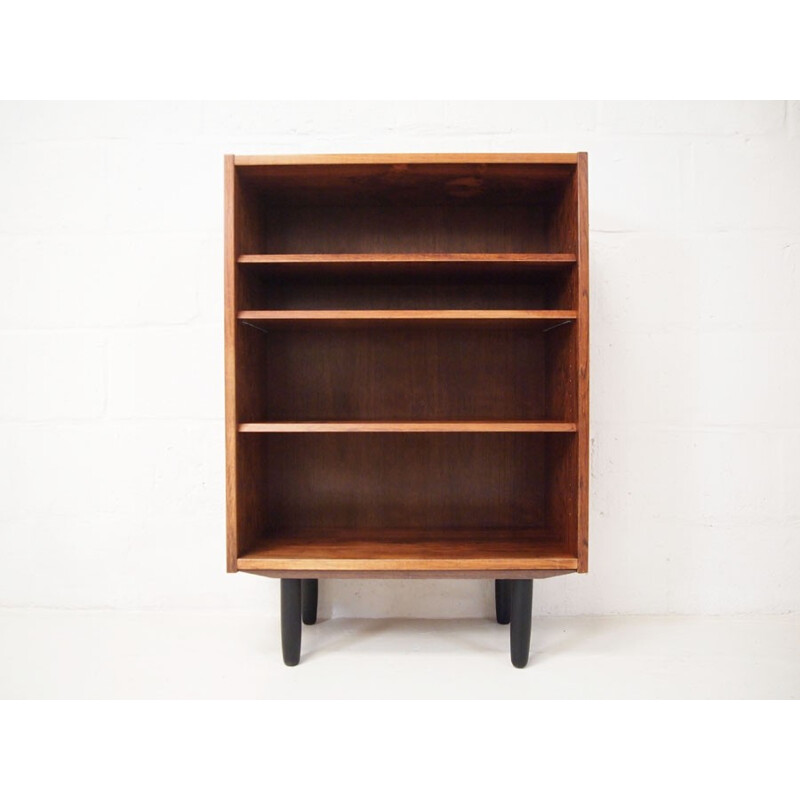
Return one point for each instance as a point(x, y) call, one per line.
point(230, 366)
point(583, 362)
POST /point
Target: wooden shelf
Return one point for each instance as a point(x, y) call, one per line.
point(541, 319)
point(386, 551)
point(300, 259)
point(467, 426)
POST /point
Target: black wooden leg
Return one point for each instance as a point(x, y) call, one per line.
point(291, 629)
point(521, 603)
point(502, 601)
point(310, 590)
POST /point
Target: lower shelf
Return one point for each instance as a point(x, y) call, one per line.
point(404, 551)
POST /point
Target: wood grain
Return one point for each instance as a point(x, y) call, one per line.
point(406, 372)
point(390, 480)
point(318, 221)
point(408, 427)
point(383, 550)
point(230, 367)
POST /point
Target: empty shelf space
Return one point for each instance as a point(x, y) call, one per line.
point(300, 370)
point(413, 481)
point(414, 550)
point(543, 319)
point(425, 281)
point(466, 426)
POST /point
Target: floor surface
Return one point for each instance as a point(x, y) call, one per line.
point(109, 654)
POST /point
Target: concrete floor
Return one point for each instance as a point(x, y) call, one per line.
point(111, 654)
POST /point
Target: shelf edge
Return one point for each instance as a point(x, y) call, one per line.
point(408, 427)
point(406, 565)
point(404, 158)
point(404, 314)
point(410, 258)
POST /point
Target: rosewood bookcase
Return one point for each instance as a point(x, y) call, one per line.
point(407, 373)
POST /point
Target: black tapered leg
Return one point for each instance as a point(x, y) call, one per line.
point(291, 629)
point(502, 601)
point(521, 607)
point(310, 591)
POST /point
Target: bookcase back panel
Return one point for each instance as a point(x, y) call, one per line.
point(468, 208)
point(438, 289)
point(400, 481)
point(403, 372)
point(407, 229)
point(406, 184)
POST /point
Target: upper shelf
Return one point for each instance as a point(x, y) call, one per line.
point(400, 426)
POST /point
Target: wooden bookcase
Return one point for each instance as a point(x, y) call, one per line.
point(407, 372)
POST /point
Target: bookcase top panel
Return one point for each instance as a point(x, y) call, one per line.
point(408, 158)
point(406, 179)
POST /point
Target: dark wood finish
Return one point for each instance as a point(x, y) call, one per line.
point(451, 228)
point(409, 480)
point(582, 335)
point(404, 281)
point(425, 207)
point(418, 371)
point(408, 182)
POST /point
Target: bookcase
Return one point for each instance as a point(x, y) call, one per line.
point(407, 373)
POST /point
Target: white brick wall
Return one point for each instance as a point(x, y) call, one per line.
point(111, 435)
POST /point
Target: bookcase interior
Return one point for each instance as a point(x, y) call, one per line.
point(374, 485)
point(405, 293)
point(406, 370)
point(409, 208)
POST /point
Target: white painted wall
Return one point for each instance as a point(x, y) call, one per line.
point(111, 356)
